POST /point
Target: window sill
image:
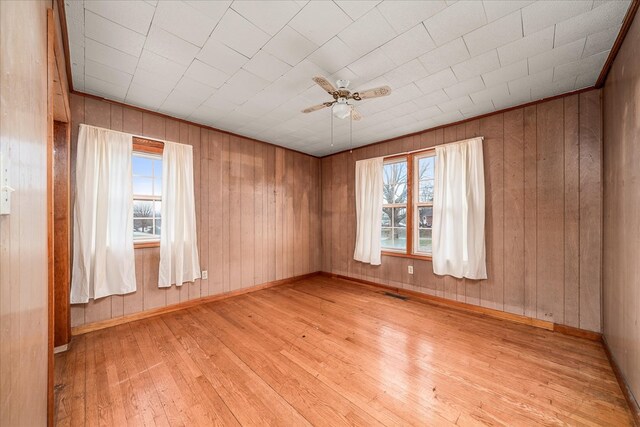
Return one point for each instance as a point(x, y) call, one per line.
point(404, 255)
point(142, 245)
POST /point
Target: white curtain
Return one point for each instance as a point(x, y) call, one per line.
point(103, 257)
point(179, 261)
point(368, 210)
point(458, 211)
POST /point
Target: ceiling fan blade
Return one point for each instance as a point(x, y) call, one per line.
point(325, 84)
point(355, 114)
point(372, 93)
point(317, 107)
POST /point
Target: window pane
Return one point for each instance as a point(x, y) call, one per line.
point(426, 167)
point(157, 206)
point(395, 172)
point(388, 194)
point(142, 166)
point(425, 217)
point(386, 217)
point(158, 227)
point(400, 193)
point(424, 244)
point(425, 193)
point(142, 186)
point(142, 209)
point(400, 238)
point(142, 228)
point(399, 217)
point(387, 239)
point(157, 186)
point(157, 168)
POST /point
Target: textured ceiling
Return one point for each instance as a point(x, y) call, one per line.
point(246, 66)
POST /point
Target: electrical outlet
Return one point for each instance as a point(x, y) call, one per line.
point(205, 274)
point(410, 269)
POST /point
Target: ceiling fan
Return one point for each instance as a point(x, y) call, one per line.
point(340, 107)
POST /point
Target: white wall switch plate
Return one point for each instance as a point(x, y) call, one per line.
point(205, 274)
point(410, 269)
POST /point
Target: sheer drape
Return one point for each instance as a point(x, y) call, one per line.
point(179, 261)
point(458, 211)
point(103, 257)
point(368, 195)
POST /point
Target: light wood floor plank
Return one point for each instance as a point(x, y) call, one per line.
point(323, 351)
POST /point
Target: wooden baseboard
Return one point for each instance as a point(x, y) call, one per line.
point(96, 326)
point(489, 312)
point(628, 395)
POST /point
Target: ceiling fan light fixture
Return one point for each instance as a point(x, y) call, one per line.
point(341, 110)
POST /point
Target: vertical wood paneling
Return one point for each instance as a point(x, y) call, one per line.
point(531, 194)
point(550, 273)
point(514, 211)
point(257, 211)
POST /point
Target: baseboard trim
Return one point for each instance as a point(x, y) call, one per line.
point(96, 326)
point(489, 312)
point(634, 408)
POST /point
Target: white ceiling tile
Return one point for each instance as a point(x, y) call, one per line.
point(169, 46)
point(495, 34)
point(239, 34)
point(290, 46)
point(426, 113)
point(473, 110)
point(489, 94)
point(106, 73)
point(269, 16)
point(606, 16)
point(179, 105)
point(548, 90)
point(505, 74)
point(409, 45)
point(76, 32)
point(582, 66)
point(134, 15)
point(372, 65)
point(154, 80)
point(542, 14)
point(477, 65)
point(107, 55)
point(266, 66)
point(99, 87)
point(405, 14)
point(448, 117)
point(184, 21)
point(74, 9)
point(587, 79)
point(145, 97)
point(533, 80)
point(601, 41)
point(213, 9)
point(465, 88)
point(208, 115)
point(333, 56)
point(431, 99)
point(319, 21)
point(193, 89)
point(560, 55)
point(526, 47)
point(77, 55)
point(495, 9)
point(367, 33)
point(203, 73)
point(517, 98)
point(112, 34)
point(455, 21)
point(221, 57)
point(356, 8)
point(242, 86)
point(445, 56)
point(439, 80)
point(407, 73)
point(169, 70)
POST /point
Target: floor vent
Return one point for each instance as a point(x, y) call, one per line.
point(398, 296)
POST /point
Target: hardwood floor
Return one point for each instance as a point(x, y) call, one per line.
point(328, 352)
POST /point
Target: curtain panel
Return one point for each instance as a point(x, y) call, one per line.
point(368, 195)
point(103, 256)
point(179, 260)
point(459, 211)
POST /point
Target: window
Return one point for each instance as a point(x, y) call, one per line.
point(407, 210)
point(147, 193)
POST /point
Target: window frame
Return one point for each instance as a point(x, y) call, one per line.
point(151, 148)
point(412, 205)
point(405, 205)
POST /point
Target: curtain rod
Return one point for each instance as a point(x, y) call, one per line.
point(432, 148)
point(133, 135)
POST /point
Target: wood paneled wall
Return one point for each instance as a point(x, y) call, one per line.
point(258, 211)
point(543, 213)
point(23, 233)
point(621, 261)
